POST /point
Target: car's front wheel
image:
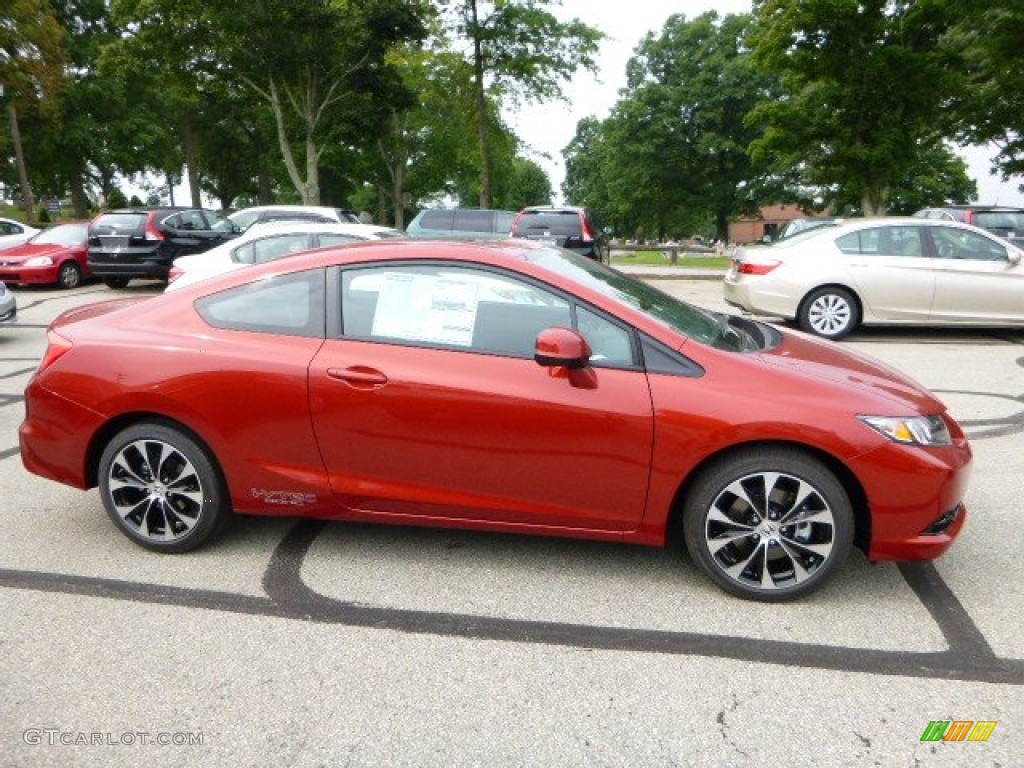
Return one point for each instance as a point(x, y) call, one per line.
point(829, 312)
point(768, 524)
point(161, 488)
point(69, 275)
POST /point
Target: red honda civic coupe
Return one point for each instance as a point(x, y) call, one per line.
point(504, 386)
point(56, 255)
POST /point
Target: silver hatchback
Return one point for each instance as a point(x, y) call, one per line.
point(8, 305)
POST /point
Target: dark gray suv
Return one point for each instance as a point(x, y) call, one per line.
point(1002, 221)
point(569, 227)
point(144, 242)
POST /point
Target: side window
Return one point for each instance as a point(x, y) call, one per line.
point(863, 242)
point(9, 228)
point(191, 220)
point(289, 305)
point(270, 248)
point(437, 219)
point(244, 219)
point(900, 241)
point(335, 239)
point(609, 344)
point(503, 221)
point(473, 221)
point(471, 309)
point(952, 243)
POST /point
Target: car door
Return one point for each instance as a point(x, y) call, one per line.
point(891, 270)
point(428, 404)
point(975, 280)
point(187, 232)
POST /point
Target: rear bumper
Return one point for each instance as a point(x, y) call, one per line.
point(156, 270)
point(54, 437)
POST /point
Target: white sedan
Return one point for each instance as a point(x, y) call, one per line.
point(266, 242)
point(14, 233)
point(887, 271)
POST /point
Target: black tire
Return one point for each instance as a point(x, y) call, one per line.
point(770, 544)
point(829, 312)
point(116, 282)
point(173, 509)
point(69, 275)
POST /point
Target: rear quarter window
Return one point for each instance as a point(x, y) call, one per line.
point(119, 223)
point(286, 305)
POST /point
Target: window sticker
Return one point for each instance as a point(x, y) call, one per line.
point(430, 308)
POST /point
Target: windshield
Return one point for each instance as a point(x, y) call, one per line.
point(65, 234)
point(702, 325)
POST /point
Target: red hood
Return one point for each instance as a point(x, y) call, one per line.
point(28, 250)
point(832, 362)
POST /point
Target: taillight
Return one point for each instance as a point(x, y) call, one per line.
point(968, 217)
point(57, 345)
point(515, 223)
point(588, 233)
point(756, 267)
point(152, 233)
point(174, 274)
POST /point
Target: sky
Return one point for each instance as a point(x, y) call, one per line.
point(548, 128)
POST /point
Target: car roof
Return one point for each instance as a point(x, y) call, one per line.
point(283, 226)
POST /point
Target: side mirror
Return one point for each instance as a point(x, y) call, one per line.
point(562, 347)
point(766, 239)
point(1014, 257)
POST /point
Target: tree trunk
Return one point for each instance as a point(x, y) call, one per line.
point(19, 154)
point(481, 112)
point(79, 199)
point(191, 151)
point(874, 202)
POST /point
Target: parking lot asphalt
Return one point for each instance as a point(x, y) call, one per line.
point(300, 643)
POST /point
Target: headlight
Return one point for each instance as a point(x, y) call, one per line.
point(39, 261)
point(911, 430)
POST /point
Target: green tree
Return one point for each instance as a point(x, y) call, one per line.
point(528, 184)
point(31, 69)
point(986, 41)
point(519, 51)
point(320, 65)
point(866, 83)
point(672, 156)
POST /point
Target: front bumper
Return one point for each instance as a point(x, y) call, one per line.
point(29, 275)
point(908, 490)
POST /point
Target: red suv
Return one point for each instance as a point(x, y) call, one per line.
point(140, 242)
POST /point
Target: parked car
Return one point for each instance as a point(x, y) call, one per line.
point(246, 217)
point(891, 271)
point(506, 386)
point(1004, 221)
point(14, 233)
point(136, 242)
point(8, 305)
point(569, 227)
point(461, 223)
point(56, 255)
point(267, 242)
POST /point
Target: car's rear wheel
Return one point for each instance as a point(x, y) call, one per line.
point(768, 524)
point(161, 488)
point(69, 275)
point(829, 312)
point(116, 282)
